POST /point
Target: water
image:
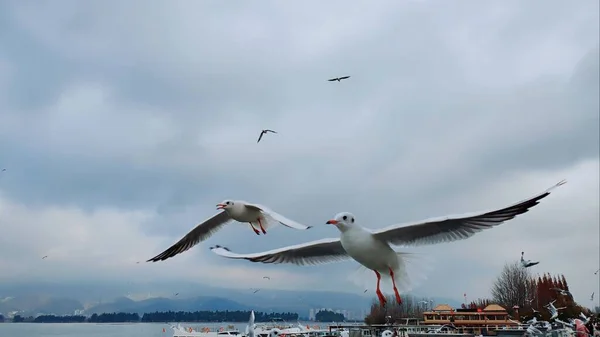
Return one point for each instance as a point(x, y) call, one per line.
point(100, 330)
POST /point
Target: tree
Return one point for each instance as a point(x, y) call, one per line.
point(480, 303)
point(514, 286)
point(329, 316)
point(410, 307)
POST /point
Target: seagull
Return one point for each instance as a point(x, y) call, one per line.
point(3, 169)
point(595, 273)
point(527, 263)
point(176, 294)
point(241, 211)
point(255, 291)
point(553, 310)
point(338, 78)
point(592, 297)
point(267, 277)
point(44, 257)
point(563, 292)
point(372, 248)
point(264, 132)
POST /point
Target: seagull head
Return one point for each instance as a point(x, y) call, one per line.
point(225, 204)
point(343, 221)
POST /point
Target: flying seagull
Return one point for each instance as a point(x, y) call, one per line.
point(371, 248)
point(264, 132)
point(338, 78)
point(255, 291)
point(267, 277)
point(44, 257)
point(527, 263)
point(563, 292)
point(596, 272)
point(592, 297)
point(254, 214)
point(3, 169)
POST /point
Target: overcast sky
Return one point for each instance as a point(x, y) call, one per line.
point(122, 124)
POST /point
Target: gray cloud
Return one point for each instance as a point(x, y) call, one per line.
point(150, 113)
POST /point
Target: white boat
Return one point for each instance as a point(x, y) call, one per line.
point(180, 331)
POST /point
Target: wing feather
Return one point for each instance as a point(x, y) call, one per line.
point(456, 227)
point(202, 232)
point(310, 253)
point(277, 217)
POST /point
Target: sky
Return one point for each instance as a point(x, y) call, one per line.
point(122, 124)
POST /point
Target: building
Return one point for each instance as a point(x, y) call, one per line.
point(478, 321)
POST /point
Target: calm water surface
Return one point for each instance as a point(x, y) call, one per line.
point(99, 330)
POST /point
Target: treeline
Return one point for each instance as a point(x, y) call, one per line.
point(169, 316)
point(515, 286)
point(410, 307)
point(216, 316)
point(329, 316)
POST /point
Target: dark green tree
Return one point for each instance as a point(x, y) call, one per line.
point(329, 316)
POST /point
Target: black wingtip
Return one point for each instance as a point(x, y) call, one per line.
point(219, 246)
point(309, 227)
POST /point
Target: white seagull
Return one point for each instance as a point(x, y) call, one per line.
point(527, 263)
point(372, 248)
point(553, 310)
point(254, 214)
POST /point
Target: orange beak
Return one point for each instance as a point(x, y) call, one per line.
point(220, 206)
point(332, 222)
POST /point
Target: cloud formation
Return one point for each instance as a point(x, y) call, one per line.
point(123, 124)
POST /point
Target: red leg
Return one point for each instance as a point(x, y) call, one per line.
point(254, 229)
point(261, 226)
point(398, 299)
point(382, 299)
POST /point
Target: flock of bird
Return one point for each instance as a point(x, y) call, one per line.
point(370, 248)
point(535, 327)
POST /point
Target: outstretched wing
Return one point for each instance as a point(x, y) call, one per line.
point(456, 227)
point(345, 77)
point(271, 131)
point(202, 232)
point(260, 137)
point(277, 217)
point(332, 79)
point(310, 253)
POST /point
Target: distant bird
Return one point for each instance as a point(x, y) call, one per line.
point(3, 169)
point(371, 248)
point(267, 277)
point(365, 291)
point(563, 292)
point(241, 211)
point(596, 272)
point(338, 78)
point(176, 294)
point(592, 297)
point(255, 291)
point(45, 256)
point(527, 263)
point(137, 262)
point(553, 310)
point(264, 132)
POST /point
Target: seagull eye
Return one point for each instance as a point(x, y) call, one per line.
point(227, 203)
point(352, 219)
point(345, 217)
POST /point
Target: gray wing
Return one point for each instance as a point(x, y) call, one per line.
point(310, 253)
point(332, 79)
point(260, 137)
point(345, 77)
point(202, 232)
point(456, 227)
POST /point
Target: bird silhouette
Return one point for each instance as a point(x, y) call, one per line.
point(264, 132)
point(339, 79)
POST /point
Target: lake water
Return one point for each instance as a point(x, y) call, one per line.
point(99, 330)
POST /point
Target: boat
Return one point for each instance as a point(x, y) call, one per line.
point(446, 330)
point(180, 331)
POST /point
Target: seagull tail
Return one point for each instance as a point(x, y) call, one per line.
point(412, 270)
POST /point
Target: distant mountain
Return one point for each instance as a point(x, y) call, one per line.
point(66, 298)
point(35, 304)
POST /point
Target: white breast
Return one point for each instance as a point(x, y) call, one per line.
point(367, 250)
